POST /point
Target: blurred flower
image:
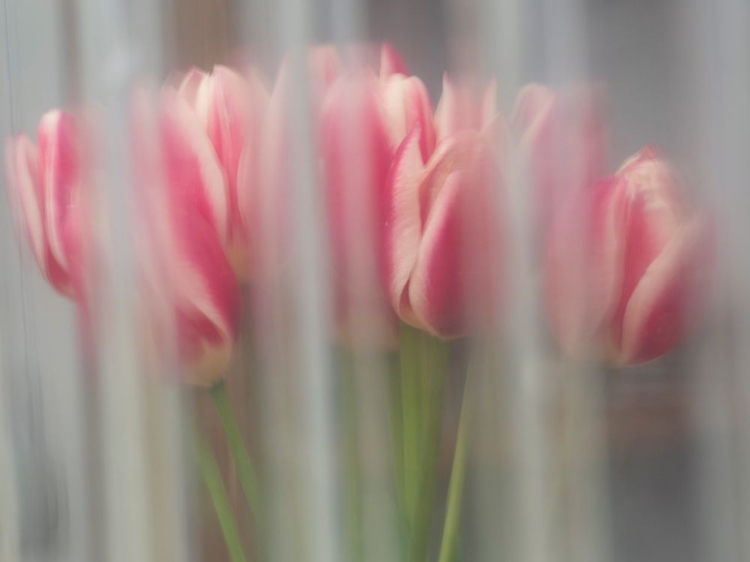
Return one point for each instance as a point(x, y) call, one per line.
point(562, 142)
point(231, 108)
point(358, 123)
point(45, 181)
point(628, 264)
point(356, 149)
point(189, 284)
point(443, 231)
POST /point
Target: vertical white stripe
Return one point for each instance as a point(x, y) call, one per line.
point(501, 24)
point(119, 46)
point(719, 45)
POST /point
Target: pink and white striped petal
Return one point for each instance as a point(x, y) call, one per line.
point(193, 175)
point(669, 294)
point(206, 298)
point(407, 103)
point(59, 157)
point(402, 224)
point(456, 284)
point(356, 154)
point(45, 182)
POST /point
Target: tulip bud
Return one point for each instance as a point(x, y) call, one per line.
point(628, 264)
point(407, 103)
point(230, 108)
point(443, 236)
point(45, 181)
point(562, 142)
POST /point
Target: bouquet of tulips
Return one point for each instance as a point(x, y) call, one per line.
point(420, 226)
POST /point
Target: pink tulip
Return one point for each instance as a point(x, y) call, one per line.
point(230, 107)
point(45, 181)
point(562, 142)
point(628, 264)
point(442, 236)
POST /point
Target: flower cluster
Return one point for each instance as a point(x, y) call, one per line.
point(625, 259)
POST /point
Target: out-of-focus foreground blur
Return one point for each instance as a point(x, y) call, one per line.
point(375, 280)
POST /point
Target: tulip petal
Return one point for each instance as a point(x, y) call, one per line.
point(45, 181)
point(192, 172)
point(356, 153)
point(60, 174)
point(646, 154)
point(353, 157)
point(265, 210)
point(402, 224)
point(230, 119)
point(193, 88)
point(407, 103)
point(435, 292)
point(325, 67)
point(673, 286)
point(391, 61)
point(583, 266)
point(456, 283)
point(21, 164)
point(462, 108)
point(207, 300)
point(447, 111)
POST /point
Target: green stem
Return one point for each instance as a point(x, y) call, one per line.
point(429, 454)
point(411, 418)
point(396, 425)
point(219, 498)
point(449, 543)
point(237, 448)
point(351, 454)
